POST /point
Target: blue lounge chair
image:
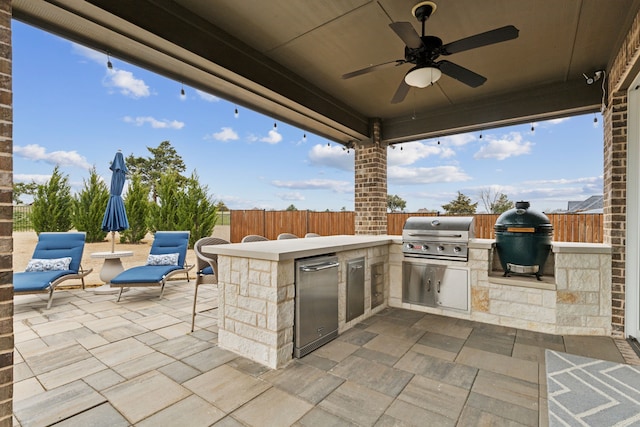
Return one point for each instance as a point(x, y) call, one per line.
point(167, 258)
point(55, 259)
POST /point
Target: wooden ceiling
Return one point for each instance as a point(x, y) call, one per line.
point(285, 58)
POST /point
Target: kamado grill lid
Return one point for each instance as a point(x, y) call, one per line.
point(523, 219)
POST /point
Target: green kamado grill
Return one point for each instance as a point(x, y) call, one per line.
point(523, 240)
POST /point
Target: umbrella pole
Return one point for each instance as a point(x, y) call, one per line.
point(113, 241)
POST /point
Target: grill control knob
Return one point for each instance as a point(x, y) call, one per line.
point(408, 246)
point(457, 249)
point(425, 247)
point(440, 248)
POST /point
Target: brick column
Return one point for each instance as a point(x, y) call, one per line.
point(615, 200)
point(6, 217)
point(615, 165)
point(371, 185)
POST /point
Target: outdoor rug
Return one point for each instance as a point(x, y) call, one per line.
point(591, 392)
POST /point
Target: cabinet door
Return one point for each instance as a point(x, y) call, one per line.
point(417, 284)
point(452, 291)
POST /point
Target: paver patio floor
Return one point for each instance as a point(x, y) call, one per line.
point(91, 361)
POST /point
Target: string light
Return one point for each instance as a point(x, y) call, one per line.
point(109, 64)
point(275, 125)
point(236, 113)
point(304, 137)
point(181, 89)
point(595, 119)
point(328, 144)
point(481, 134)
point(438, 142)
point(533, 129)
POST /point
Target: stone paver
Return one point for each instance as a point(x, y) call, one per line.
point(92, 361)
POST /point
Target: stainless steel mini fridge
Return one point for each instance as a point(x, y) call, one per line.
point(316, 316)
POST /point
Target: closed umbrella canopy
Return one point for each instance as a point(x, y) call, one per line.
point(115, 216)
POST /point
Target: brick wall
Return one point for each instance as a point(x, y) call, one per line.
point(6, 218)
point(615, 164)
point(371, 186)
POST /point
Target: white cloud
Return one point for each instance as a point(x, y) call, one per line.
point(126, 83)
point(226, 134)
point(207, 96)
point(122, 80)
point(413, 176)
point(557, 121)
point(273, 138)
point(156, 124)
point(316, 184)
point(411, 152)
point(27, 178)
point(62, 158)
point(332, 156)
point(458, 140)
point(291, 197)
point(501, 148)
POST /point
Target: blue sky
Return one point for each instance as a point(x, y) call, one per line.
point(70, 110)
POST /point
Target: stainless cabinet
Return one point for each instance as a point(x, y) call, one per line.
point(355, 288)
point(435, 285)
point(316, 303)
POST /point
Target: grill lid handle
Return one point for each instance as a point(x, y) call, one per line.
point(434, 235)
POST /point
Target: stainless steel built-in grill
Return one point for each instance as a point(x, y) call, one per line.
point(438, 237)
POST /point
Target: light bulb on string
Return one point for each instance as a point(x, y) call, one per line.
point(480, 134)
point(236, 113)
point(275, 125)
point(533, 129)
point(304, 137)
point(109, 64)
point(181, 89)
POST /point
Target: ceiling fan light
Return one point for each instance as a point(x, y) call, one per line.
point(422, 76)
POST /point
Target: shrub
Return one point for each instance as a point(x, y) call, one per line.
point(89, 206)
point(52, 204)
point(136, 203)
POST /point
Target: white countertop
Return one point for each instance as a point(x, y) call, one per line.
point(281, 250)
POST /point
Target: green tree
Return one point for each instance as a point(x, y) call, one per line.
point(197, 211)
point(461, 205)
point(89, 206)
point(495, 202)
point(395, 203)
point(163, 159)
point(137, 205)
point(221, 206)
point(164, 212)
point(291, 207)
point(26, 188)
point(52, 204)
point(501, 205)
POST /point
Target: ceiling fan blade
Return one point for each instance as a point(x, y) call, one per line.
point(405, 31)
point(483, 39)
point(373, 68)
point(461, 74)
point(401, 92)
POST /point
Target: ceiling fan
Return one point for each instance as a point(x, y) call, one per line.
point(423, 51)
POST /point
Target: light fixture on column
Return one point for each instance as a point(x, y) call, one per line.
point(422, 76)
point(109, 64)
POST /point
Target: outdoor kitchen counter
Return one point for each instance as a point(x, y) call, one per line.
point(256, 289)
point(289, 249)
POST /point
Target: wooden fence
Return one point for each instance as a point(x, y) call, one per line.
point(584, 228)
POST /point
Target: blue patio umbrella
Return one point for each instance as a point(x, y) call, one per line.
point(115, 216)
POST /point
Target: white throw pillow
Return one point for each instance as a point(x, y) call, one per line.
point(50, 264)
point(163, 259)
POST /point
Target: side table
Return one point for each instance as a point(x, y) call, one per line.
point(111, 268)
